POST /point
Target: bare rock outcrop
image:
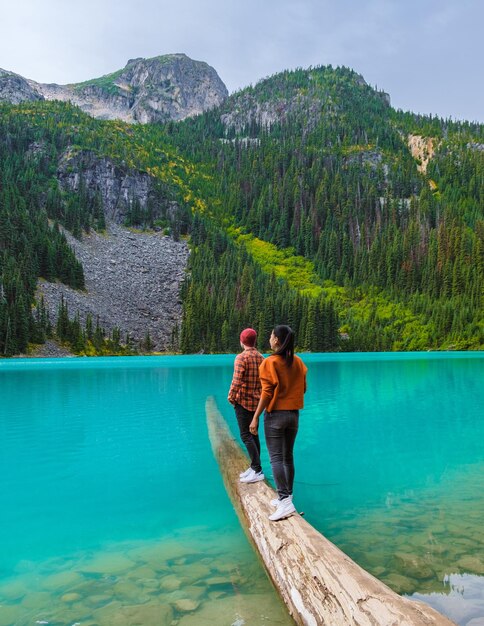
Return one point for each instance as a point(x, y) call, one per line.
point(15, 89)
point(422, 149)
point(118, 187)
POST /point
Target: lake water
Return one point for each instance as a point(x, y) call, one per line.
point(113, 511)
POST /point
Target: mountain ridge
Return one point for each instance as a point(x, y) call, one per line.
point(158, 89)
point(281, 95)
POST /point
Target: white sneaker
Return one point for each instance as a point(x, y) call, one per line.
point(276, 501)
point(252, 477)
point(285, 509)
point(242, 474)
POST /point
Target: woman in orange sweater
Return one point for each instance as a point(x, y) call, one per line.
point(283, 379)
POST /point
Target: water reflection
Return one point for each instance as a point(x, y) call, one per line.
point(462, 599)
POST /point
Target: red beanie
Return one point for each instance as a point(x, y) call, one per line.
point(248, 337)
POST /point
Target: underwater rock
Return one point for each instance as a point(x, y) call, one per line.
point(57, 615)
point(145, 614)
point(227, 568)
point(401, 584)
point(10, 615)
point(170, 583)
point(62, 580)
point(34, 599)
point(186, 605)
point(242, 609)
point(471, 564)
point(193, 572)
point(413, 566)
point(97, 600)
point(216, 581)
point(372, 560)
point(149, 583)
point(71, 597)
point(110, 563)
point(13, 590)
point(105, 615)
point(142, 572)
point(378, 571)
point(194, 593)
point(216, 595)
point(129, 591)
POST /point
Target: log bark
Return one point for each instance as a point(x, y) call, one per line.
point(319, 584)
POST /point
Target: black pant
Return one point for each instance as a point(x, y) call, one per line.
point(280, 428)
point(251, 442)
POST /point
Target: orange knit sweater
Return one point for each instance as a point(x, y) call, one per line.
point(283, 386)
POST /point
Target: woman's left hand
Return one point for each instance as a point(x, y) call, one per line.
point(254, 426)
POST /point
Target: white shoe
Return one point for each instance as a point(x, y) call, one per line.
point(276, 501)
point(285, 509)
point(242, 474)
point(252, 477)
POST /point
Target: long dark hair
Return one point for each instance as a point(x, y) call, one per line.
point(285, 335)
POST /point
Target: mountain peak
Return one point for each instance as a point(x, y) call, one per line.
point(166, 87)
point(309, 93)
point(14, 88)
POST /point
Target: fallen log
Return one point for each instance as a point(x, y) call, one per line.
point(319, 584)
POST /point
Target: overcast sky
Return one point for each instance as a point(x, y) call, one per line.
point(427, 54)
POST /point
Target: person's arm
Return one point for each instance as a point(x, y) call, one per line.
point(263, 403)
point(237, 379)
point(268, 384)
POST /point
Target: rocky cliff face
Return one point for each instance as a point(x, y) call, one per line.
point(422, 149)
point(118, 188)
point(15, 89)
point(170, 87)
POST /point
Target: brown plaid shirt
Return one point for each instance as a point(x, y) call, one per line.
point(246, 388)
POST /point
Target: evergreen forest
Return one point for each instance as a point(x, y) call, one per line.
point(306, 199)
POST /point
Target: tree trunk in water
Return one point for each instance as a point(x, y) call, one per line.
point(319, 584)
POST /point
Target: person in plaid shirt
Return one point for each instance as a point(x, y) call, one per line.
point(244, 394)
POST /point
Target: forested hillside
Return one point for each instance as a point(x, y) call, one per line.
point(302, 203)
point(318, 161)
point(29, 245)
point(34, 140)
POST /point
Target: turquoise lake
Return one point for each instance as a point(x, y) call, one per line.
point(113, 510)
